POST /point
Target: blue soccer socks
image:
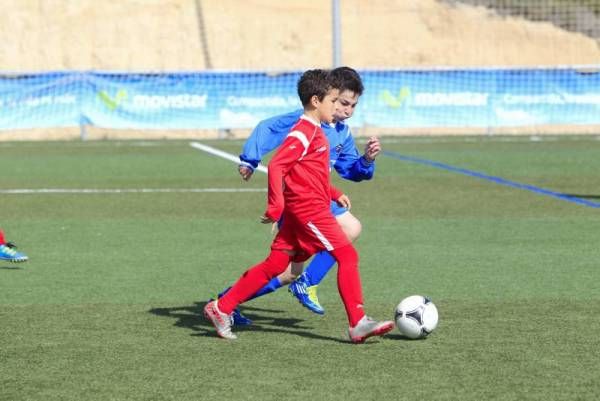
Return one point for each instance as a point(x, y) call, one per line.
point(318, 268)
point(271, 286)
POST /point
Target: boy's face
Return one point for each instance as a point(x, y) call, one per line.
point(327, 107)
point(345, 105)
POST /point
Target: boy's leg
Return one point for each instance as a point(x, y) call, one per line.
point(348, 281)
point(349, 286)
point(238, 318)
point(305, 287)
point(290, 274)
point(323, 261)
point(219, 312)
point(253, 280)
point(270, 287)
point(318, 268)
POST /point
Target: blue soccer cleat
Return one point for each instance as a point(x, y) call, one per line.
point(239, 319)
point(9, 253)
point(306, 295)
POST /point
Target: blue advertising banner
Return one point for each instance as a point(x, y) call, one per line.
point(481, 98)
point(225, 100)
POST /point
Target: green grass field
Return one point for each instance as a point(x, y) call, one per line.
point(109, 305)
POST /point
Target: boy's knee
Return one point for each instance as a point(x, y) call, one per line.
point(345, 255)
point(354, 230)
point(277, 262)
point(351, 226)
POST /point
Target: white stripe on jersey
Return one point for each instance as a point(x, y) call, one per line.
point(320, 236)
point(302, 138)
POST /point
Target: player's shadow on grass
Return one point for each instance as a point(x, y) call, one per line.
point(400, 337)
point(10, 267)
point(192, 318)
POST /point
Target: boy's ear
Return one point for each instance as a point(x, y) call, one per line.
point(314, 101)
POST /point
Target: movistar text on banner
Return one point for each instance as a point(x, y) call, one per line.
point(225, 100)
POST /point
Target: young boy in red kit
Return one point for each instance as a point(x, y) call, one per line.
point(299, 193)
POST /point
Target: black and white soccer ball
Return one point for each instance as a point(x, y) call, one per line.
point(416, 316)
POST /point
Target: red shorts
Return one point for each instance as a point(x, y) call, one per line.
point(306, 239)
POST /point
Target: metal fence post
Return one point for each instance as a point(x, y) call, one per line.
point(336, 33)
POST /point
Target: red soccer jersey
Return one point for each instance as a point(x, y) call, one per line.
point(299, 174)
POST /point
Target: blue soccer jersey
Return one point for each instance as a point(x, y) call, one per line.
point(344, 156)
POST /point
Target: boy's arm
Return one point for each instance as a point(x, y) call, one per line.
point(286, 156)
point(335, 192)
point(265, 137)
point(351, 165)
point(339, 197)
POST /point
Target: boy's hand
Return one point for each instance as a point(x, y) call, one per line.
point(372, 149)
point(245, 172)
point(267, 220)
point(344, 201)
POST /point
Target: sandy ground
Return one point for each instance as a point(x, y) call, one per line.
point(41, 35)
point(174, 35)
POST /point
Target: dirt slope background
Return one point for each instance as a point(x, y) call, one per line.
point(160, 35)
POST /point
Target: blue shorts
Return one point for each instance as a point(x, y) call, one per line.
point(337, 209)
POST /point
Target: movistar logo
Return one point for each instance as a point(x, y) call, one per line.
point(112, 102)
point(395, 101)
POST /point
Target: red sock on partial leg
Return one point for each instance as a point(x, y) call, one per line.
point(2, 240)
point(253, 280)
point(348, 281)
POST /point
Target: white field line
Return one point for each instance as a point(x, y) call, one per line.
point(125, 190)
point(224, 155)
